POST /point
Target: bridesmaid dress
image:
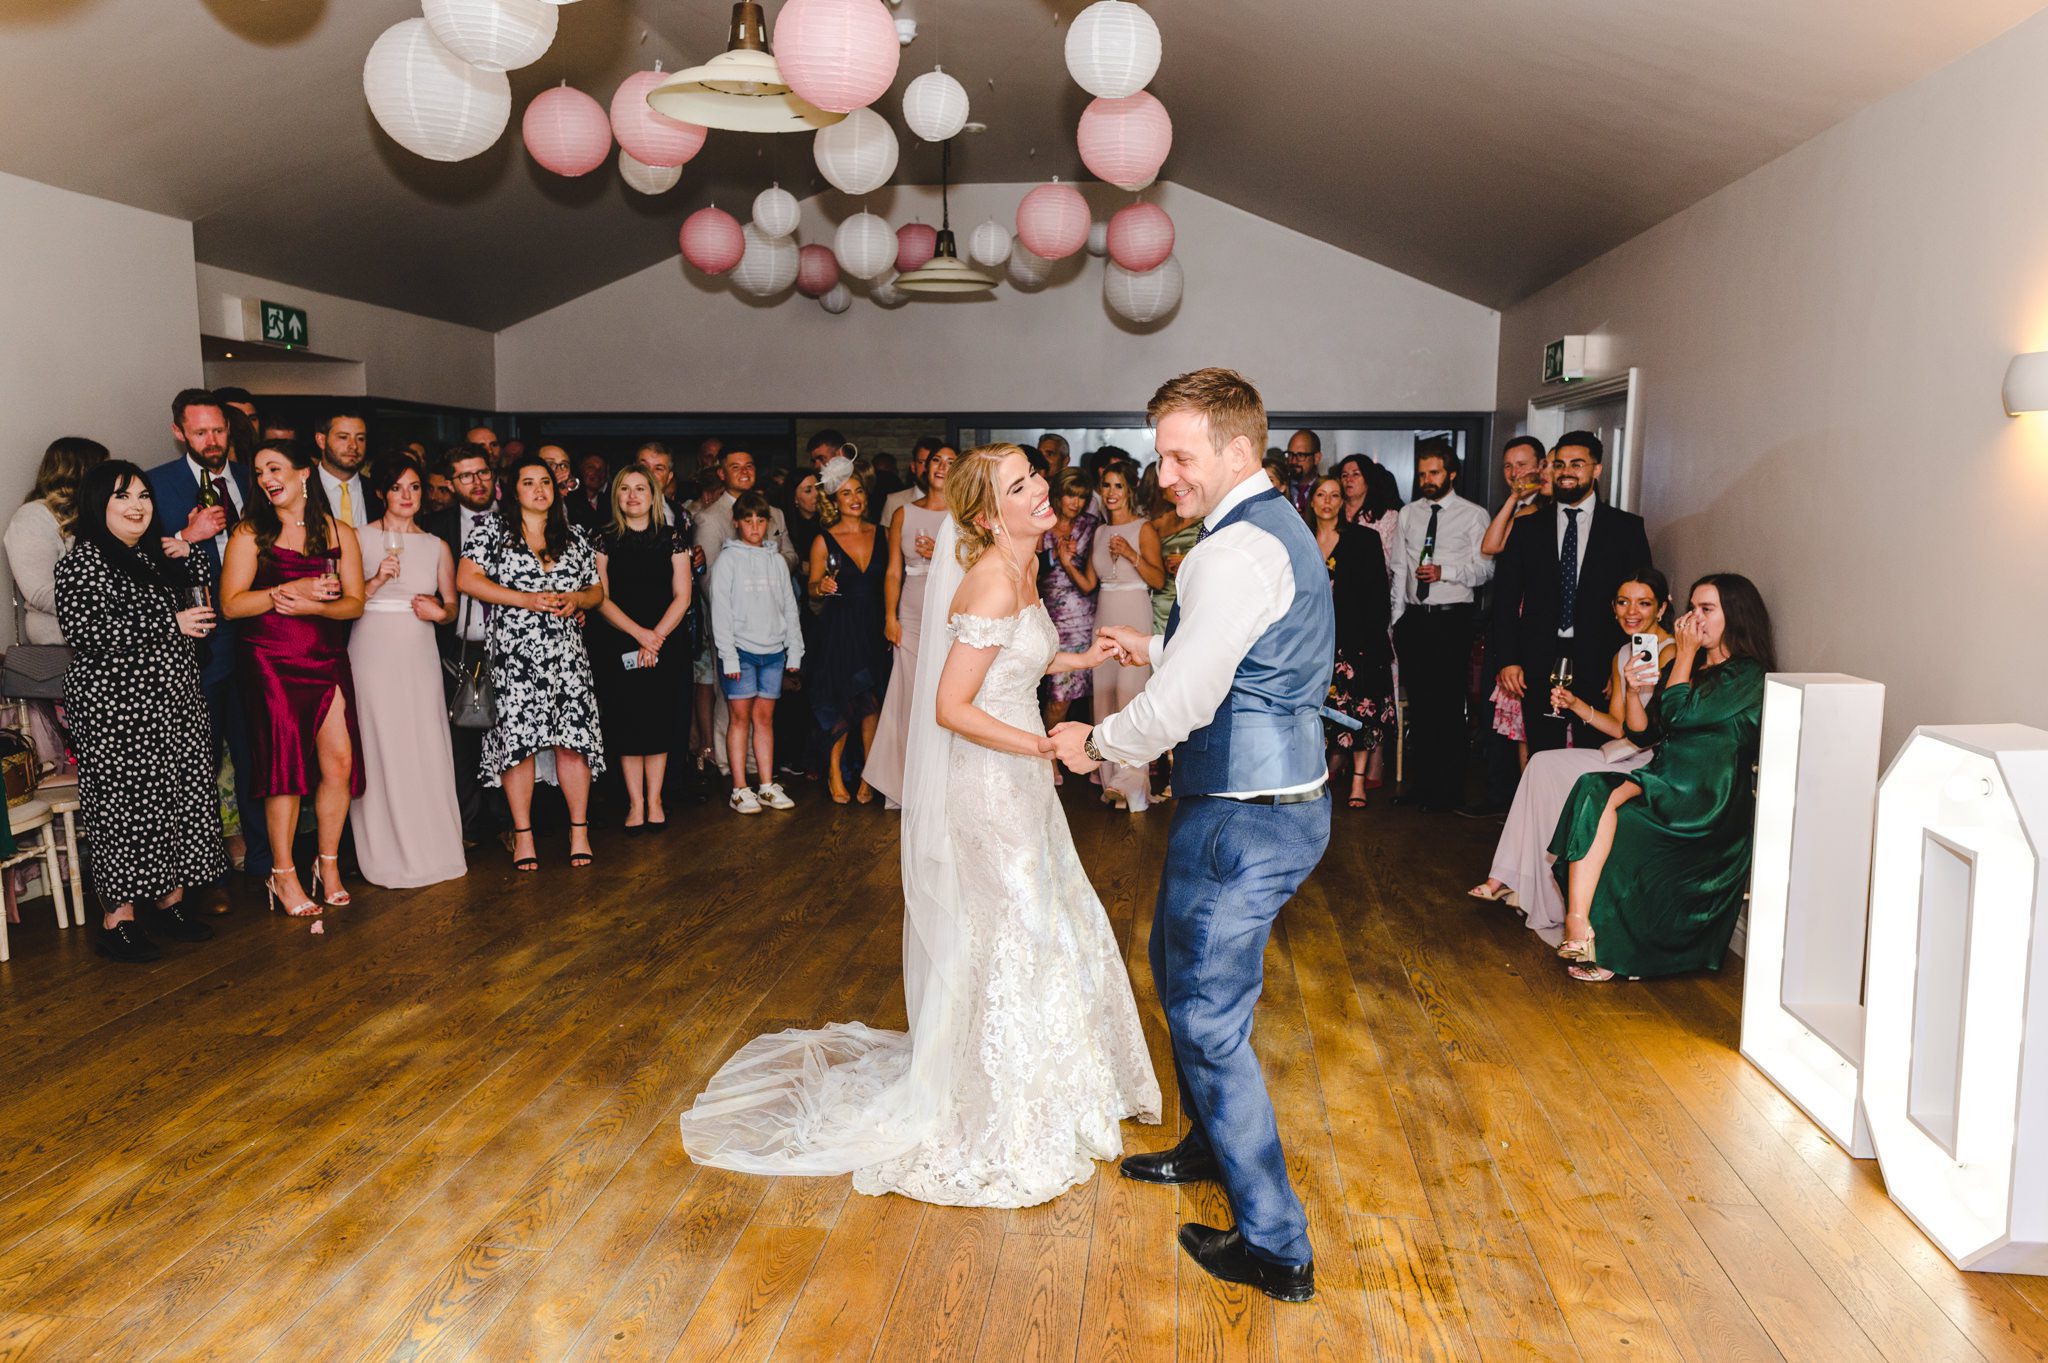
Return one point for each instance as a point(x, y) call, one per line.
point(407, 822)
point(884, 770)
point(1672, 887)
point(1122, 598)
point(292, 667)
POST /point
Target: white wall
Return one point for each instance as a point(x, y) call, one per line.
point(101, 331)
point(403, 355)
point(1822, 345)
point(1314, 326)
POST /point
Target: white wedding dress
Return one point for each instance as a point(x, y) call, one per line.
point(1024, 1050)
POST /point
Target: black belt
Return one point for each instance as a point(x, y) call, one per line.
point(1428, 609)
point(1296, 797)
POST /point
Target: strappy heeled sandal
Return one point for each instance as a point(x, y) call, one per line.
point(578, 860)
point(525, 863)
point(335, 898)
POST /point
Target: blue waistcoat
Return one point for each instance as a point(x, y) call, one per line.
point(1268, 733)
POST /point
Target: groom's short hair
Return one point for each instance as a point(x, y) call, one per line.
point(1226, 397)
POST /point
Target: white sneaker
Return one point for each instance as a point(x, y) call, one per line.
point(743, 802)
point(773, 796)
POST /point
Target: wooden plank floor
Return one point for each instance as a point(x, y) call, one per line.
point(445, 1129)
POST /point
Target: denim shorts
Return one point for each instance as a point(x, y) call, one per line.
point(760, 676)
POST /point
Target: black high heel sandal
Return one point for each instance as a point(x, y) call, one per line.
point(578, 860)
point(525, 863)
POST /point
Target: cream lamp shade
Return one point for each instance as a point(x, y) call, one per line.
point(741, 89)
point(2026, 384)
point(945, 272)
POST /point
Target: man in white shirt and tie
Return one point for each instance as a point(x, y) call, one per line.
point(1442, 572)
point(344, 443)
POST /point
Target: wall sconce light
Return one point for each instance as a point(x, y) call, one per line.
point(2026, 384)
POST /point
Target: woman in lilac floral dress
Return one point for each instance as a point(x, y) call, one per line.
point(1066, 579)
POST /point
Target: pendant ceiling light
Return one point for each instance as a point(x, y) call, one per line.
point(945, 272)
point(741, 89)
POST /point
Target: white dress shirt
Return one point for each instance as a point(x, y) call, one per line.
point(200, 474)
point(1233, 586)
point(469, 623)
point(1569, 629)
point(1460, 527)
point(358, 512)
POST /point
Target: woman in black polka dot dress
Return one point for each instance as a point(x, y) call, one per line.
point(137, 715)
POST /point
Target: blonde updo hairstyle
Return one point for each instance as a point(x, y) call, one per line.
point(974, 500)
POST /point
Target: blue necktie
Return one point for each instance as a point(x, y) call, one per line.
point(1568, 572)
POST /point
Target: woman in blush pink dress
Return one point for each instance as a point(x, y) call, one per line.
point(1128, 566)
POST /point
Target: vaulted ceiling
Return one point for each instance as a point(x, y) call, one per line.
point(1486, 146)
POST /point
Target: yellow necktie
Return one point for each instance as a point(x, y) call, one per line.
point(348, 514)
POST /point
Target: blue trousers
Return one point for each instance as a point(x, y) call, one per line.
point(1230, 866)
point(230, 728)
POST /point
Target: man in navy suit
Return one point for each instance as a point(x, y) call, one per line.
point(200, 425)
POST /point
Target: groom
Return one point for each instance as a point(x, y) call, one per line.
point(1238, 683)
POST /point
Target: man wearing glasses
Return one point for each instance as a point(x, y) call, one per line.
point(475, 485)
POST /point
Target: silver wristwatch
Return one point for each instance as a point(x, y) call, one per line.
point(1088, 747)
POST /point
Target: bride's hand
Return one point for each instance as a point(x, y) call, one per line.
point(1100, 650)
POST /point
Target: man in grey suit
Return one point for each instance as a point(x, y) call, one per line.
point(714, 528)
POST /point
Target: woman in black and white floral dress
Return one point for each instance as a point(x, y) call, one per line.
point(537, 573)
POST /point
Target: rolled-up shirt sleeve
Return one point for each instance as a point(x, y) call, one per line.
point(1232, 587)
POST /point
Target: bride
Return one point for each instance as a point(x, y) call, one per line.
point(1024, 1050)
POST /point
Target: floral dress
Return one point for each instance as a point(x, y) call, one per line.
point(1072, 610)
point(1362, 680)
point(540, 672)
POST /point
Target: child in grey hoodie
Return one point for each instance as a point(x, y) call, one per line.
point(759, 634)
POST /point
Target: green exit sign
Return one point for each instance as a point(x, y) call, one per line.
point(283, 325)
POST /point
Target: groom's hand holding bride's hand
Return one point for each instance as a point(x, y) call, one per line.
point(1133, 647)
point(1067, 745)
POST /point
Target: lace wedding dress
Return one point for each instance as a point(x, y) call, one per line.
point(1025, 1050)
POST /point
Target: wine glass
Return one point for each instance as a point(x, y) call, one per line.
point(1560, 676)
point(394, 544)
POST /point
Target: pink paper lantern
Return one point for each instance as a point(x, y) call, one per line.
point(650, 138)
point(1053, 221)
point(840, 55)
point(567, 131)
point(713, 240)
point(817, 270)
point(1140, 237)
point(916, 244)
point(1125, 141)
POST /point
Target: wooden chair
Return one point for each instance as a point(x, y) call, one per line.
point(60, 792)
point(34, 816)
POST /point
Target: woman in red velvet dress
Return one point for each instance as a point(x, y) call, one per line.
point(295, 574)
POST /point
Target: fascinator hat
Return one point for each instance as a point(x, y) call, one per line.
point(835, 473)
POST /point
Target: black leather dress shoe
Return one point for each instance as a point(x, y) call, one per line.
point(1223, 1254)
point(174, 922)
point(125, 942)
point(1178, 1165)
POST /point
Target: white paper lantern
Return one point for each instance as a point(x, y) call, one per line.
point(768, 265)
point(885, 293)
point(430, 101)
point(776, 212)
point(935, 105)
point(865, 246)
point(1143, 298)
point(990, 244)
point(647, 179)
point(493, 35)
point(856, 155)
point(1112, 49)
point(1098, 239)
point(836, 299)
point(1027, 269)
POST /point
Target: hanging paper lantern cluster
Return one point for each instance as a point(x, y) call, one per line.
point(840, 55)
point(1140, 237)
point(430, 101)
point(990, 244)
point(817, 271)
point(713, 240)
point(1125, 141)
point(1143, 298)
point(836, 299)
point(493, 35)
point(916, 244)
point(776, 212)
point(1053, 221)
point(653, 139)
point(646, 179)
point(567, 131)
point(865, 246)
point(935, 105)
point(856, 155)
point(767, 266)
point(1112, 49)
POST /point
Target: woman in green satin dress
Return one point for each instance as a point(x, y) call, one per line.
point(1659, 858)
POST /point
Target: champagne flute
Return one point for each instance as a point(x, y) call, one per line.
point(1560, 676)
point(394, 544)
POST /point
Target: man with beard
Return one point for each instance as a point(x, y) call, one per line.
point(1304, 452)
point(344, 443)
point(462, 643)
point(199, 497)
point(1555, 598)
point(1442, 571)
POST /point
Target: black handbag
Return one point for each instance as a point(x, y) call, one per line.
point(35, 671)
point(475, 702)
